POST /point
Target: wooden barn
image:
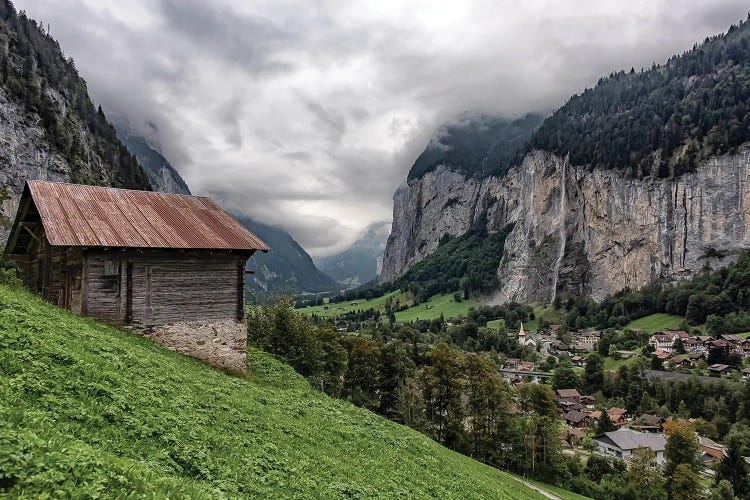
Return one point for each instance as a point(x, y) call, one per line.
point(131, 257)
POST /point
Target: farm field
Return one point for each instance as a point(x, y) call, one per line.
point(88, 410)
point(546, 312)
point(431, 309)
point(331, 310)
point(655, 322)
point(614, 364)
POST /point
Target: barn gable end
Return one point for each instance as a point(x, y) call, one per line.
point(150, 260)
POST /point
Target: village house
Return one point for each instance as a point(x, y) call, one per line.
point(578, 360)
point(585, 341)
point(572, 436)
point(681, 361)
point(662, 355)
point(512, 364)
point(746, 373)
point(622, 444)
point(578, 419)
point(558, 347)
point(131, 257)
point(665, 340)
point(588, 400)
point(617, 415)
point(571, 395)
point(719, 370)
point(648, 423)
point(696, 356)
point(567, 406)
point(711, 452)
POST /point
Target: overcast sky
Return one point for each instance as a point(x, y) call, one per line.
point(309, 114)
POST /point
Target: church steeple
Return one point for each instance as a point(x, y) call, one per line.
point(521, 332)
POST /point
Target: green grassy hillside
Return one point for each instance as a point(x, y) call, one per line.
point(656, 322)
point(439, 304)
point(443, 304)
point(87, 410)
point(335, 309)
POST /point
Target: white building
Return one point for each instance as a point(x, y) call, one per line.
point(622, 443)
point(665, 340)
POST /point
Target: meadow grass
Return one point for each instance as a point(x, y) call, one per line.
point(614, 364)
point(444, 304)
point(655, 322)
point(332, 310)
point(559, 492)
point(88, 410)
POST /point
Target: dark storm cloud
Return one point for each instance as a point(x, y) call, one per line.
point(249, 40)
point(309, 114)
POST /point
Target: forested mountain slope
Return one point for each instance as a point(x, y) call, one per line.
point(87, 410)
point(661, 122)
point(287, 268)
point(476, 145)
point(644, 177)
point(49, 127)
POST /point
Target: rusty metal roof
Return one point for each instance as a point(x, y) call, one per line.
point(92, 216)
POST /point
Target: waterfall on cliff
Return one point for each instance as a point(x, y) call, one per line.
point(561, 227)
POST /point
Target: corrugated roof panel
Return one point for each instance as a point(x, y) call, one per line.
point(192, 236)
point(121, 224)
point(134, 216)
point(79, 215)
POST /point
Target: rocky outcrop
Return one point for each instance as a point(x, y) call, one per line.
point(25, 153)
point(220, 344)
point(587, 232)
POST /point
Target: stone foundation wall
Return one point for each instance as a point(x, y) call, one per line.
point(220, 344)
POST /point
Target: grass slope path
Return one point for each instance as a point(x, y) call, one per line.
point(87, 410)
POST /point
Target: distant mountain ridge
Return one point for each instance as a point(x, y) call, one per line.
point(361, 262)
point(162, 176)
point(287, 268)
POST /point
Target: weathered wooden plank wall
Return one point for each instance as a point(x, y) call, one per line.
point(167, 286)
point(53, 272)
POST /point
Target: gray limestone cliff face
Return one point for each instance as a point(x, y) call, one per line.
point(25, 153)
point(588, 232)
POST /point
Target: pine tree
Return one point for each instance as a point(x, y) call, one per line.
point(733, 468)
point(593, 378)
point(685, 484)
point(397, 368)
point(723, 491)
point(565, 376)
point(605, 423)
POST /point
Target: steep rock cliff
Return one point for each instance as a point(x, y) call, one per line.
point(49, 127)
point(587, 232)
point(25, 153)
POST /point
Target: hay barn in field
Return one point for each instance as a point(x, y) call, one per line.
point(131, 257)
